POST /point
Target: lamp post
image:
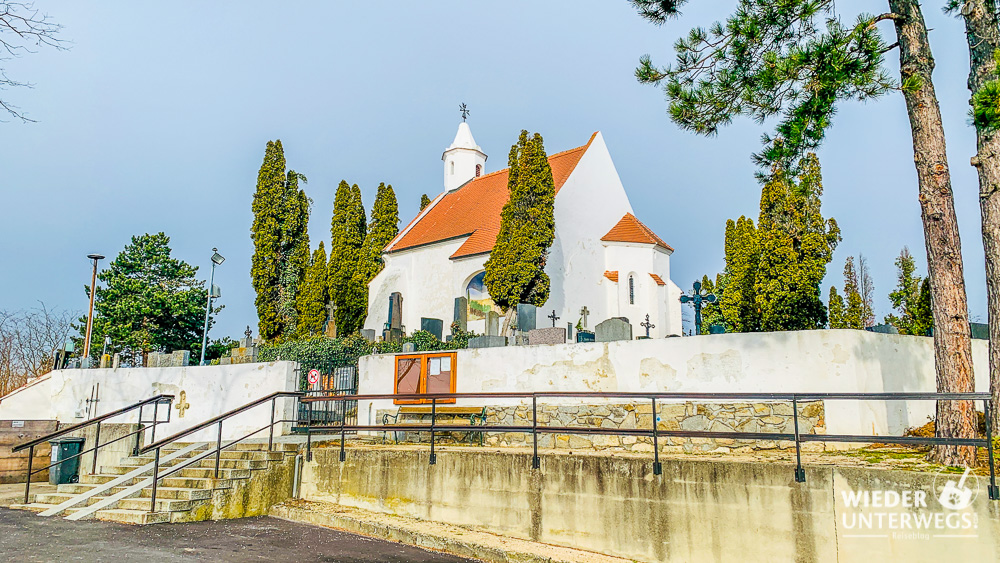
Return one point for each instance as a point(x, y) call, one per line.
point(90, 314)
point(217, 259)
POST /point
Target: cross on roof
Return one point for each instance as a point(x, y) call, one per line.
point(464, 110)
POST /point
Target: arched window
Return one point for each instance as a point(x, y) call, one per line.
point(479, 170)
point(631, 290)
point(451, 167)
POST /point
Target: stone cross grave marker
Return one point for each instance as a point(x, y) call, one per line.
point(584, 312)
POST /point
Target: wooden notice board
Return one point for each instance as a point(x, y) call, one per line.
point(433, 372)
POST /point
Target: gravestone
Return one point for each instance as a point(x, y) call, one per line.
point(368, 334)
point(394, 325)
point(487, 342)
point(492, 323)
point(716, 329)
point(584, 336)
point(409, 347)
point(462, 313)
point(526, 315)
point(616, 328)
point(180, 358)
point(392, 335)
point(552, 335)
point(433, 326)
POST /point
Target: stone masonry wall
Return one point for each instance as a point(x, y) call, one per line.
point(763, 417)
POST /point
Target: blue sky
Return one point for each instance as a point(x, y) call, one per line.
point(156, 119)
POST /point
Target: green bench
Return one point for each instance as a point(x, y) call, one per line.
point(475, 415)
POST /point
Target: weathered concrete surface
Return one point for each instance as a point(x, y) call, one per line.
point(110, 454)
point(696, 511)
point(246, 497)
point(464, 542)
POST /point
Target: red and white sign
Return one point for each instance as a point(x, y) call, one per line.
point(313, 376)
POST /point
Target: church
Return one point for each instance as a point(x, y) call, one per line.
point(603, 263)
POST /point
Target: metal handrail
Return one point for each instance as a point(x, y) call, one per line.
point(217, 420)
point(655, 432)
point(30, 445)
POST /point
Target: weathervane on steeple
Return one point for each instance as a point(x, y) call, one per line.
point(465, 111)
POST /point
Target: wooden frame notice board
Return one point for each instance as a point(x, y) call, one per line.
point(425, 373)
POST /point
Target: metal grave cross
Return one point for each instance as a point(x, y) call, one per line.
point(697, 297)
point(647, 325)
point(554, 318)
point(249, 332)
point(584, 311)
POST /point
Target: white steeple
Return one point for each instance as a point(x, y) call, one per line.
point(463, 160)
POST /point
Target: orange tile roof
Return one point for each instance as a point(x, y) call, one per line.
point(611, 275)
point(473, 210)
point(630, 229)
point(657, 279)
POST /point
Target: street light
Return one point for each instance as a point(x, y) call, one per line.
point(217, 259)
point(90, 315)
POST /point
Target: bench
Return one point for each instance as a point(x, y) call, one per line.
point(476, 415)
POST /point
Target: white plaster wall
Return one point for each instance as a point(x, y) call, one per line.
point(640, 260)
point(847, 361)
point(209, 390)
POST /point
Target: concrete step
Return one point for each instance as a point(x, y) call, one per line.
point(162, 504)
point(233, 463)
point(204, 483)
point(134, 462)
point(33, 506)
point(126, 516)
point(205, 472)
point(179, 493)
point(75, 488)
point(100, 479)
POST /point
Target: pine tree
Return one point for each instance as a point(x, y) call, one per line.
point(796, 244)
point(738, 302)
point(904, 297)
point(797, 60)
point(515, 270)
point(424, 201)
point(313, 296)
point(835, 305)
point(923, 314)
point(347, 235)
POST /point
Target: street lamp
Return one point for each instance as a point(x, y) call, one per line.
point(217, 259)
point(90, 315)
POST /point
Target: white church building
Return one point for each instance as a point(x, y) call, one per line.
point(603, 258)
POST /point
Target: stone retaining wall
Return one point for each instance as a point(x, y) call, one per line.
point(773, 417)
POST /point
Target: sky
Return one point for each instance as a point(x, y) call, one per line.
point(156, 117)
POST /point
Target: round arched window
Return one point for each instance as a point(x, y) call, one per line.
point(631, 290)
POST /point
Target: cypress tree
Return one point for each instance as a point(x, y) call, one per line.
point(923, 315)
point(347, 235)
point(836, 307)
point(796, 244)
point(738, 302)
point(266, 234)
point(515, 270)
point(854, 309)
point(294, 251)
point(424, 201)
point(383, 227)
point(313, 296)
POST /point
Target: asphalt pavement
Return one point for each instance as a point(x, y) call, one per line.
point(26, 537)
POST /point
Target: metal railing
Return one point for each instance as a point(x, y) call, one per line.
point(155, 401)
point(654, 431)
point(218, 420)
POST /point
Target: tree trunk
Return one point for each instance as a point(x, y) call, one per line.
point(984, 38)
point(952, 340)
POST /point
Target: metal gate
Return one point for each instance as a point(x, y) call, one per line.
point(341, 380)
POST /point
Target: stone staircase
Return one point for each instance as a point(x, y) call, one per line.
point(122, 493)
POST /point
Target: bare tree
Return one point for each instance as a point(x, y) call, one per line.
point(22, 30)
point(27, 340)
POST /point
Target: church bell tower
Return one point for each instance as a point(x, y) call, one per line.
point(464, 159)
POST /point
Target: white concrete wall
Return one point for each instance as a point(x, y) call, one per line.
point(847, 361)
point(209, 390)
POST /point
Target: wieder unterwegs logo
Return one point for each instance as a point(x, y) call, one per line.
point(942, 511)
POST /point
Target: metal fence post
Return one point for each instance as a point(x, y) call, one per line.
point(156, 474)
point(343, 421)
point(535, 461)
point(156, 417)
point(27, 482)
point(433, 416)
point(309, 435)
point(657, 468)
point(270, 436)
point(218, 451)
point(800, 473)
point(97, 444)
point(994, 492)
